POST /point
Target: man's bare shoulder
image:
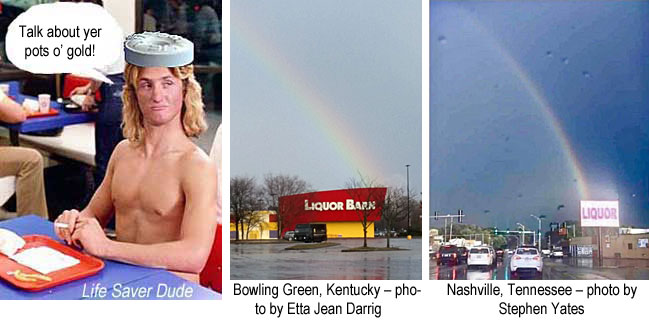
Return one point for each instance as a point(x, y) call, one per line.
point(123, 148)
point(196, 163)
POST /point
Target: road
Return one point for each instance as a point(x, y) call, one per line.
point(554, 269)
point(269, 261)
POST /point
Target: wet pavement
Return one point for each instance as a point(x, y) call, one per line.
point(588, 269)
point(554, 269)
point(271, 262)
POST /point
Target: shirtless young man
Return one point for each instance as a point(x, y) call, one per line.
point(160, 186)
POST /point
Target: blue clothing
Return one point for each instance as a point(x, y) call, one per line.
point(110, 108)
point(108, 131)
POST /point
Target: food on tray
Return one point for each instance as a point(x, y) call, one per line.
point(44, 259)
point(10, 242)
point(30, 277)
point(30, 106)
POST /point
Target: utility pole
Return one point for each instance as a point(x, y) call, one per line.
point(523, 234)
point(408, 199)
point(444, 234)
point(451, 228)
point(539, 230)
point(600, 248)
point(277, 215)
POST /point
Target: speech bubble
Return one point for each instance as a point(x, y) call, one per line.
point(65, 37)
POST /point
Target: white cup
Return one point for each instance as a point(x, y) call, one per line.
point(5, 88)
point(44, 103)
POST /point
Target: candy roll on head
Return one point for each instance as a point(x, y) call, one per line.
point(157, 49)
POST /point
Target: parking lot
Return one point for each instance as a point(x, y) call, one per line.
point(259, 261)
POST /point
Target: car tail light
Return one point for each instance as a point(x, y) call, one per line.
point(517, 257)
point(536, 258)
point(453, 255)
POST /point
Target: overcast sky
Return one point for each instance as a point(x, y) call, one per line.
point(326, 89)
point(518, 89)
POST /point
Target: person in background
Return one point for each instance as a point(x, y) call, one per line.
point(24, 163)
point(207, 34)
point(178, 13)
point(207, 43)
point(108, 132)
point(149, 20)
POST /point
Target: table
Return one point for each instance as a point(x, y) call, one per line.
point(114, 275)
point(42, 123)
point(76, 142)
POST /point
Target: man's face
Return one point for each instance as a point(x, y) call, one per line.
point(160, 95)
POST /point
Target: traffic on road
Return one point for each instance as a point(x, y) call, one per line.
point(526, 263)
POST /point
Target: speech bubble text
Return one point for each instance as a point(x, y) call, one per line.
point(65, 37)
point(70, 52)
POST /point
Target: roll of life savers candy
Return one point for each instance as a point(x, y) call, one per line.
point(157, 49)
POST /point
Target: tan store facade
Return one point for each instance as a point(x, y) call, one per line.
point(626, 246)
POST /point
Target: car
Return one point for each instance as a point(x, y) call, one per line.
point(557, 253)
point(483, 256)
point(451, 254)
point(289, 235)
point(500, 253)
point(526, 261)
point(546, 252)
point(462, 253)
point(311, 232)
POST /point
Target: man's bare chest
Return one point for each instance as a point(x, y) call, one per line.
point(150, 187)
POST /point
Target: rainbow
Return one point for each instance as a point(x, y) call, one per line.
point(313, 103)
point(544, 105)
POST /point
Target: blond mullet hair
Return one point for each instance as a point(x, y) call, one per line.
point(192, 114)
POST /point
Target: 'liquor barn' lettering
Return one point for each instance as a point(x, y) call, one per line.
point(350, 204)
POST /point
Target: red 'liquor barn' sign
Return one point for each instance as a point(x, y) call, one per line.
point(334, 205)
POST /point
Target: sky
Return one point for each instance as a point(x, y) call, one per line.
point(327, 90)
point(534, 105)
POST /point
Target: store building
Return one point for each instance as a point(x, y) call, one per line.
point(261, 225)
point(341, 210)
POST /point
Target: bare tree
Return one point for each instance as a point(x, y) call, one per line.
point(276, 186)
point(253, 220)
point(244, 198)
point(393, 211)
point(368, 196)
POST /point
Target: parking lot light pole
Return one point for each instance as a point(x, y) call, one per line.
point(408, 205)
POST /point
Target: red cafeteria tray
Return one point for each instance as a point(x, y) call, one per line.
point(87, 265)
point(53, 112)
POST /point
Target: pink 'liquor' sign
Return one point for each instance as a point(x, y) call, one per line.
point(599, 213)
